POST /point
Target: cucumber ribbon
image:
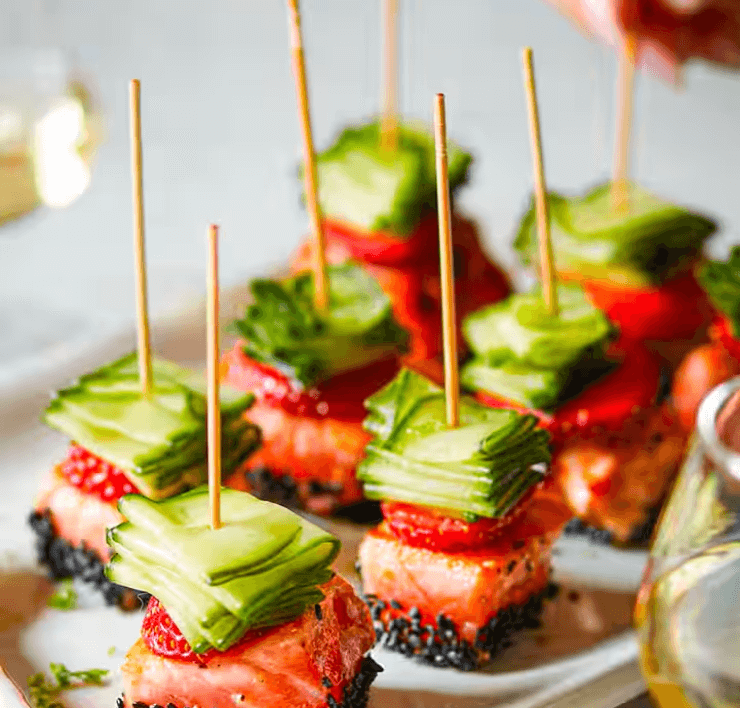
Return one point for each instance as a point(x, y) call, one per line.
point(263, 567)
point(481, 468)
point(523, 354)
point(158, 441)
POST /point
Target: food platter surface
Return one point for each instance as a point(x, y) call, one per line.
point(586, 629)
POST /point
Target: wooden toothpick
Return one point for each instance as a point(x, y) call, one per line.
point(142, 308)
point(625, 97)
point(547, 268)
point(309, 157)
point(449, 328)
point(389, 122)
point(214, 401)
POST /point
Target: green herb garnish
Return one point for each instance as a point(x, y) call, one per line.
point(65, 598)
point(721, 280)
point(651, 242)
point(284, 330)
point(481, 468)
point(43, 693)
point(376, 190)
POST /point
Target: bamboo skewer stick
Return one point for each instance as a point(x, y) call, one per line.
point(449, 329)
point(309, 157)
point(547, 268)
point(625, 99)
point(389, 122)
point(214, 401)
point(142, 307)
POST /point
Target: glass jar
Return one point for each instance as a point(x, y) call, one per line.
point(688, 608)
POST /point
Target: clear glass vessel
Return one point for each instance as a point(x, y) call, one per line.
point(688, 609)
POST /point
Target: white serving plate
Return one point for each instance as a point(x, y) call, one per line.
point(585, 637)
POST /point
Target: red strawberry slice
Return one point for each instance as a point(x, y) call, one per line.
point(340, 398)
point(162, 636)
point(610, 402)
point(385, 248)
point(424, 527)
point(675, 310)
point(95, 476)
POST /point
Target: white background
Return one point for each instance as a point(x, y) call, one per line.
point(221, 140)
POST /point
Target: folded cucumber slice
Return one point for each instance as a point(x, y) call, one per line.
point(637, 248)
point(481, 468)
point(376, 190)
point(168, 549)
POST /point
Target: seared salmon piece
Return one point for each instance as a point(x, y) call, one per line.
point(613, 482)
point(76, 516)
point(300, 664)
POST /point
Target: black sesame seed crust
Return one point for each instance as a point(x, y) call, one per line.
point(354, 695)
point(640, 536)
point(64, 560)
point(440, 644)
point(284, 490)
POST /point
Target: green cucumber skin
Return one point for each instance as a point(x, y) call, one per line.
point(403, 188)
point(263, 567)
point(495, 460)
point(159, 442)
point(642, 258)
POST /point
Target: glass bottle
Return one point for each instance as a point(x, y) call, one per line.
point(688, 609)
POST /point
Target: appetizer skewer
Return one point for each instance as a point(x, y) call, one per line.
point(135, 427)
point(633, 253)
point(246, 616)
point(310, 372)
point(462, 558)
point(377, 197)
point(314, 347)
point(245, 610)
point(124, 443)
point(617, 440)
point(616, 443)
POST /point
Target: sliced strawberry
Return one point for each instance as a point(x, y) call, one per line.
point(675, 310)
point(610, 402)
point(93, 475)
point(340, 398)
point(160, 633)
point(162, 636)
point(384, 248)
point(425, 527)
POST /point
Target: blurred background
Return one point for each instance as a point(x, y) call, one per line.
point(221, 137)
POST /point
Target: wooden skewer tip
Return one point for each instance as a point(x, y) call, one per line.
point(547, 267)
point(214, 405)
point(449, 329)
point(142, 307)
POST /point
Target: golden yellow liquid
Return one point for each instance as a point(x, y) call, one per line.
point(687, 622)
point(48, 162)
